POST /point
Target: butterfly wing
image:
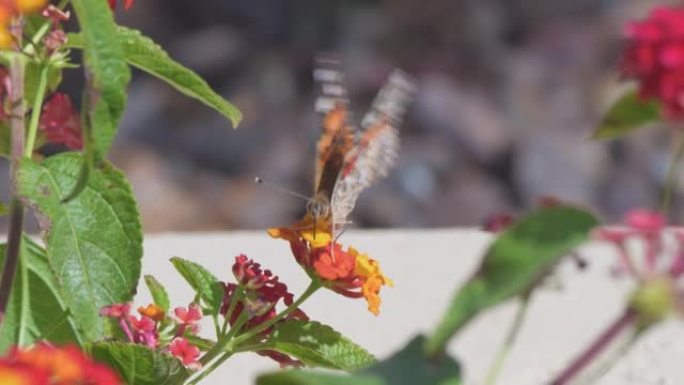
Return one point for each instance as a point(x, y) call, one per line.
point(337, 137)
point(375, 150)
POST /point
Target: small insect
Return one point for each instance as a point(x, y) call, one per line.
point(348, 159)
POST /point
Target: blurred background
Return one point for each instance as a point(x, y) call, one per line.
point(509, 92)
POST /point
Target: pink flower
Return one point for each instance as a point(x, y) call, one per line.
point(116, 310)
point(188, 317)
point(145, 331)
point(186, 352)
point(654, 56)
point(646, 221)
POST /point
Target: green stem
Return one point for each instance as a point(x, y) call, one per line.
point(315, 285)
point(36, 110)
point(211, 368)
point(671, 177)
point(223, 342)
point(237, 296)
point(497, 365)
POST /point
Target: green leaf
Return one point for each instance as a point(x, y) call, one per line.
point(94, 242)
point(137, 364)
point(626, 115)
point(318, 345)
point(409, 366)
point(144, 54)
point(202, 281)
point(107, 74)
point(516, 262)
point(35, 310)
point(305, 377)
point(159, 295)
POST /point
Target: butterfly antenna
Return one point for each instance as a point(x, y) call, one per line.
point(260, 181)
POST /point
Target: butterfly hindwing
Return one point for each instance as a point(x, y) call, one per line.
point(375, 150)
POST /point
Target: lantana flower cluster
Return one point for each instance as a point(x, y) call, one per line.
point(653, 255)
point(347, 272)
point(654, 56)
point(154, 329)
point(247, 304)
point(253, 301)
point(45, 364)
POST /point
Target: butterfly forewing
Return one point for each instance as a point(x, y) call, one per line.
point(375, 149)
point(337, 137)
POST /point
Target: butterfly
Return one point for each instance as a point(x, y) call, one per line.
point(348, 159)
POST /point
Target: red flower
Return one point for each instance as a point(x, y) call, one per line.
point(262, 292)
point(21, 374)
point(186, 352)
point(61, 122)
point(654, 56)
point(44, 364)
point(127, 4)
point(350, 273)
point(332, 263)
point(498, 222)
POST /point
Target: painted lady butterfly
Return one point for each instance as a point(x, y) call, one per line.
point(350, 160)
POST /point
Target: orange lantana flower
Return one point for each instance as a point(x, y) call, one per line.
point(152, 311)
point(350, 273)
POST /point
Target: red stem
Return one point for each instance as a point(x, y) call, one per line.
point(594, 350)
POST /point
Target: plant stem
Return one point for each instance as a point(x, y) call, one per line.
point(36, 110)
point(671, 177)
point(315, 285)
point(211, 368)
point(237, 296)
point(495, 369)
point(16, 220)
point(627, 318)
point(223, 342)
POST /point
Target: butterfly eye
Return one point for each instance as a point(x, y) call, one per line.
point(317, 208)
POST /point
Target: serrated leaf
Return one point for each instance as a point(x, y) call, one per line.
point(35, 310)
point(205, 284)
point(318, 345)
point(158, 292)
point(409, 366)
point(144, 54)
point(627, 114)
point(137, 364)
point(94, 242)
point(515, 262)
point(108, 74)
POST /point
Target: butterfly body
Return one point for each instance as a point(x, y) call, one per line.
point(350, 160)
